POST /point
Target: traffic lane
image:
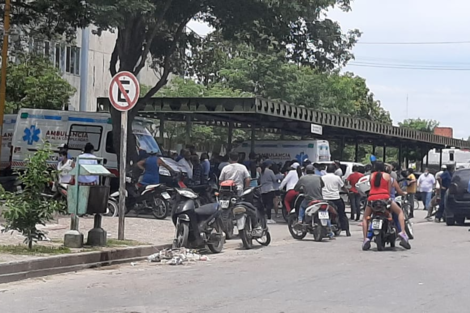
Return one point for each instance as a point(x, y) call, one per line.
point(289, 276)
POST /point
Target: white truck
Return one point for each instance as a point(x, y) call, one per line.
point(36, 126)
point(281, 151)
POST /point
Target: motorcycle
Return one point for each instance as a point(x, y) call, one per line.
point(381, 224)
point(247, 216)
point(317, 221)
point(227, 197)
point(153, 199)
point(196, 227)
point(363, 186)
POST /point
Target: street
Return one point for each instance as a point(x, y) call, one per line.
point(287, 276)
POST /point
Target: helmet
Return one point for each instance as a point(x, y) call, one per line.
point(373, 158)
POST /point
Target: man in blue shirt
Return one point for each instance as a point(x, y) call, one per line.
point(444, 181)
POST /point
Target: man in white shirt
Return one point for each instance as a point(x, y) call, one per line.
point(186, 162)
point(88, 153)
point(331, 192)
point(338, 171)
point(426, 183)
point(236, 172)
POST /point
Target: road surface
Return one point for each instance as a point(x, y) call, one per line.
point(288, 276)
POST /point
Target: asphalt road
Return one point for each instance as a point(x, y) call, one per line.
point(288, 276)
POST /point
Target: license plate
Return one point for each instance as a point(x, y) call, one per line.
point(323, 215)
point(224, 204)
point(377, 224)
point(166, 196)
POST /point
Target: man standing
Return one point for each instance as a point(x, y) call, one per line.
point(411, 190)
point(338, 171)
point(236, 172)
point(354, 196)
point(426, 183)
point(331, 192)
point(444, 182)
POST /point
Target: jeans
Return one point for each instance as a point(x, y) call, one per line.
point(303, 207)
point(440, 212)
point(343, 219)
point(411, 200)
point(355, 200)
point(268, 202)
point(427, 196)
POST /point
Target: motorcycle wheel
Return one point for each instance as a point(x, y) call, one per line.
point(112, 208)
point(159, 208)
point(317, 233)
point(217, 248)
point(245, 235)
point(181, 237)
point(379, 240)
point(409, 230)
point(265, 242)
point(296, 234)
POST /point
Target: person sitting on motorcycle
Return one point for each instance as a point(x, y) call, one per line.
point(151, 167)
point(380, 189)
point(236, 172)
point(311, 186)
point(289, 183)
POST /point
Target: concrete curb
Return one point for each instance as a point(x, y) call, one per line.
point(14, 271)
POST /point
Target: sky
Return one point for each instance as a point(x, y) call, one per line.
point(441, 95)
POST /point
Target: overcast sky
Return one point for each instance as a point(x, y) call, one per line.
point(433, 94)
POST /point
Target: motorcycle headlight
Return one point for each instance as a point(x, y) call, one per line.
point(239, 210)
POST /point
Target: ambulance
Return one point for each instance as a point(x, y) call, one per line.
point(34, 127)
point(9, 121)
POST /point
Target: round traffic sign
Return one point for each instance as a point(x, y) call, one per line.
point(124, 91)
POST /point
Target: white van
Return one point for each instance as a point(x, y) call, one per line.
point(36, 126)
point(282, 151)
point(9, 121)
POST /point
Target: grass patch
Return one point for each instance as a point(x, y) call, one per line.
point(23, 250)
point(122, 243)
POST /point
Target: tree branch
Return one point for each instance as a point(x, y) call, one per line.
point(166, 64)
point(114, 59)
point(154, 32)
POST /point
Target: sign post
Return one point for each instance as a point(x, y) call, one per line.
point(124, 91)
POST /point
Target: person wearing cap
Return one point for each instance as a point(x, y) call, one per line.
point(267, 181)
point(289, 183)
point(151, 167)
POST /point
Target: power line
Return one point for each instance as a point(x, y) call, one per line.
point(406, 67)
point(415, 43)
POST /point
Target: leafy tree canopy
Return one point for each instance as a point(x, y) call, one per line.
point(34, 82)
point(420, 124)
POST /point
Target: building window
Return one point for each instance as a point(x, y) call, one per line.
point(47, 49)
point(57, 56)
point(75, 61)
point(67, 59)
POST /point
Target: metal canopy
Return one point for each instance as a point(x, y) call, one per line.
point(281, 117)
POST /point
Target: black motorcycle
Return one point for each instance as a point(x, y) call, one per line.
point(250, 222)
point(143, 199)
point(381, 224)
point(196, 227)
point(227, 198)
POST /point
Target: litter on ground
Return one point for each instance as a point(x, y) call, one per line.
point(176, 256)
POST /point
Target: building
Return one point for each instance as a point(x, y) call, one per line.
point(444, 131)
point(70, 57)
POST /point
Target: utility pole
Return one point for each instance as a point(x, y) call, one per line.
point(3, 78)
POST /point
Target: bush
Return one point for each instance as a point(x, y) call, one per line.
point(24, 210)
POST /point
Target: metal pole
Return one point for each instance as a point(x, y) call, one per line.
point(385, 153)
point(427, 157)
point(373, 149)
point(3, 78)
point(420, 158)
point(400, 155)
point(162, 132)
point(252, 150)
point(230, 136)
point(187, 140)
point(84, 68)
point(356, 152)
point(122, 176)
point(341, 155)
point(440, 158)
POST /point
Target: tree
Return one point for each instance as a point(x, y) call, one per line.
point(155, 30)
point(420, 124)
point(33, 82)
point(24, 211)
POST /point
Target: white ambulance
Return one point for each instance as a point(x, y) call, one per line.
point(281, 151)
point(36, 126)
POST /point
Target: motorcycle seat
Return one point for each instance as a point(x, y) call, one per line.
point(207, 209)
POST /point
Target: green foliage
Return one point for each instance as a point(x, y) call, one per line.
point(33, 82)
point(420, 124)
point(24, 210)
point(22, 250)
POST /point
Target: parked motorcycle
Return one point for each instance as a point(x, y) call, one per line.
point(250, 223)
point(152, 199)
point(227, 198)
point(196, 227)
point(321, 219)
point(381, 225)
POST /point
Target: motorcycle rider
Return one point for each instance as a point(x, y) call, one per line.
point(151, 167)
point(380, 189)
point(289, 183)
point(236, 172)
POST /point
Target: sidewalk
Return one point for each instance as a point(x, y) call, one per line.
point(142, 230)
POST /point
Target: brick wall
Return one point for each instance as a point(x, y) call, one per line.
point(444, 131)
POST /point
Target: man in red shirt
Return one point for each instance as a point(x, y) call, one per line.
point(354, 196)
